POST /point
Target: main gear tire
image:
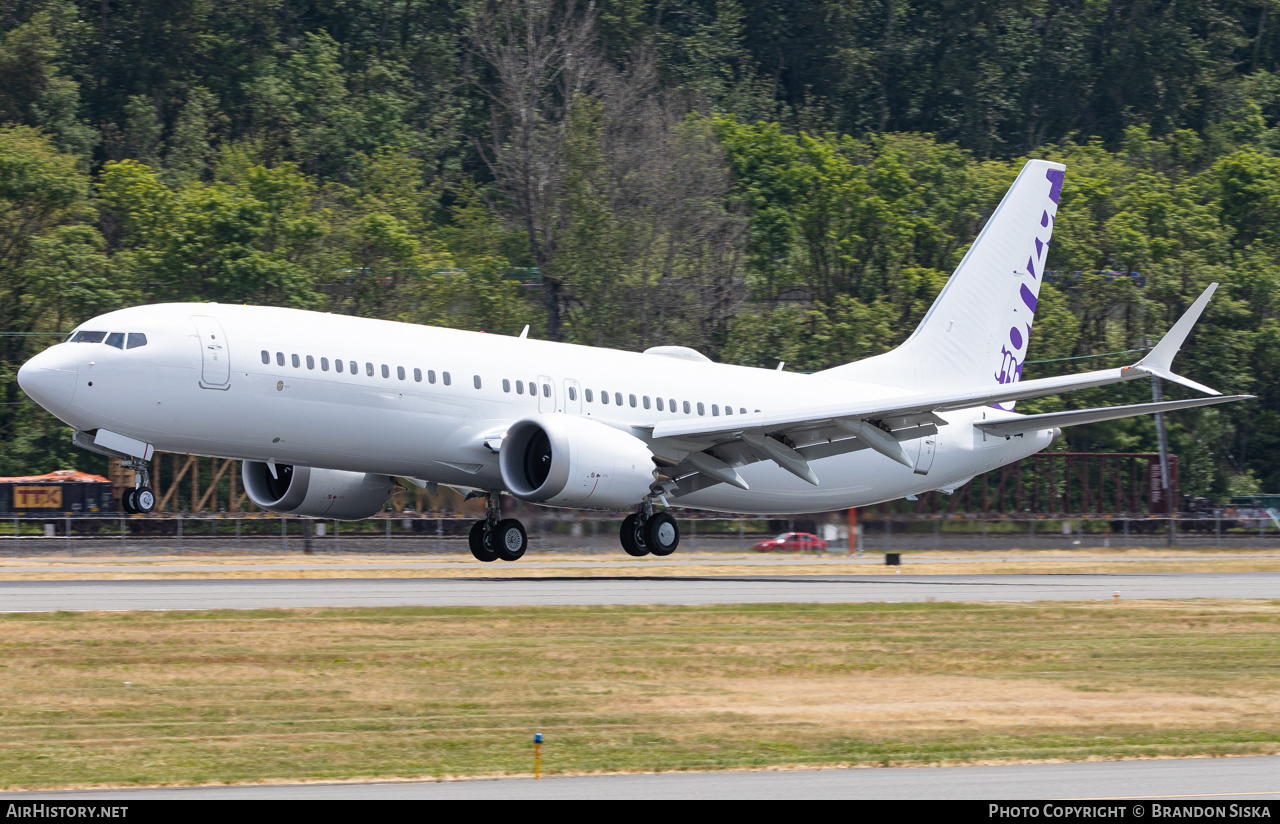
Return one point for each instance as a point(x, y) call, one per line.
point(662, 534)
point(509, 539)
point(632, 541)
point(481, 549)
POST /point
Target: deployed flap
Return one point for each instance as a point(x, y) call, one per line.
point(1031, 423)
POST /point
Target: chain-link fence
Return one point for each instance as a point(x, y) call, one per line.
point(424, 534)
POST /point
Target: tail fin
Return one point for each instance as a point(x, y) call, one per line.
point(979, 327)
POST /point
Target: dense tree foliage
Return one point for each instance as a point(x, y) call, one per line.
point(761, 180)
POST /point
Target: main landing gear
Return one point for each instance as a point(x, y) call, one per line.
point(648, 532)
point(497, 537)
point(140, 499)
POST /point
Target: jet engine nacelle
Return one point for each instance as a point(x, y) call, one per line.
point(562, 460)
point(319, 493)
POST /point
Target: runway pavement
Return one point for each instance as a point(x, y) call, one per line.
point(180, 564)
point(1215, 779)
point(46, 596)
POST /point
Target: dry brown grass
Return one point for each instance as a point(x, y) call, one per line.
point(120, 698)
point(1128, 561)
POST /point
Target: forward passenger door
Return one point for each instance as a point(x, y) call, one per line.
point(215, 356)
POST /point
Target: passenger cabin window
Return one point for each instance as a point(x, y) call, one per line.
point(573, 394)
point(646, 401)
point(660, 404)
point(672, 402)
point(368, 369)
point(587, 392)
point(743, 410)
point(279, 358)
point(632, 399)
point(137, 339)
point(355, 367)
point(417, 375)
point(311, 362)
point(297, 362)
point(337, 364)
point(386, 371)
point(324, 364)
point(617, 398)
point(89, 337)
point(447, 380)
point(715, 410)
point(266, 357)
point(728, 410)
point(116, 339)
point(701, 409)
point(431, 376)
point(519, 387)
point(506, 385)
point(400, 372)
point(604, 398)
point(475, 380)
point(686, 407)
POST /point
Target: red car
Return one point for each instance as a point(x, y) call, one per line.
point(792, 542)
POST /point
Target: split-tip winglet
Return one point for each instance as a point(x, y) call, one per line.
point(1159, 361)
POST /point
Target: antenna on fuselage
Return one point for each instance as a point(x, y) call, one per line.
point(525, 332)
point(781, 364)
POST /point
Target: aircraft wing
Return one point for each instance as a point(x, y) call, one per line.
point(701, 452)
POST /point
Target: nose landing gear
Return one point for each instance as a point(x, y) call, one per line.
point(497, 537)
point(646, 532)
point(140, 499)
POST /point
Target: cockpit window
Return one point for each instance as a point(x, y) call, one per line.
point(89, 337)
point(136, 339)
point(116, 339)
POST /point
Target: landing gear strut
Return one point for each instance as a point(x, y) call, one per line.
point(497, 537)
point(140, 498)
point(648, 532)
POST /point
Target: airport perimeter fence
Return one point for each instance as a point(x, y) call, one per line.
point(429, 534)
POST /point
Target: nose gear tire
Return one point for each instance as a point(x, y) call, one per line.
point(144, 500)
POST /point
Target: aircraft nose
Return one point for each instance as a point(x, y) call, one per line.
point(50, 377)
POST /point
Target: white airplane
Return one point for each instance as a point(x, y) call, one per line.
point(329, 412)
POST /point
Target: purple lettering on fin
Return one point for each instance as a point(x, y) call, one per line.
point(1015, 337)
point(1044, 219)
point(1028, 298)
point(1055, 177)
point(1039, 247)
point(1031, 267)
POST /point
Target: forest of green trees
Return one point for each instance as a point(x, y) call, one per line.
point(760, 180)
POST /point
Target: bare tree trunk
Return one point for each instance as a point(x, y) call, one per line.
point(542, 53)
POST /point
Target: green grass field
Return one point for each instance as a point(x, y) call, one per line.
point(158, 698)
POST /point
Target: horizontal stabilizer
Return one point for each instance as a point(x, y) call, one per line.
point(1031, 423)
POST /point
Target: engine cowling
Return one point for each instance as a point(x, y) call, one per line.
point(563, 460)
point(318, 493)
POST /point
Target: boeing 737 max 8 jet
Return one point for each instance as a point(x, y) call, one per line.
point(329, 412)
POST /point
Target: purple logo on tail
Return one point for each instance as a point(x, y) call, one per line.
point(1012, 353)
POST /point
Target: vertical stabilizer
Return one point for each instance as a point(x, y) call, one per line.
point(979, 327)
